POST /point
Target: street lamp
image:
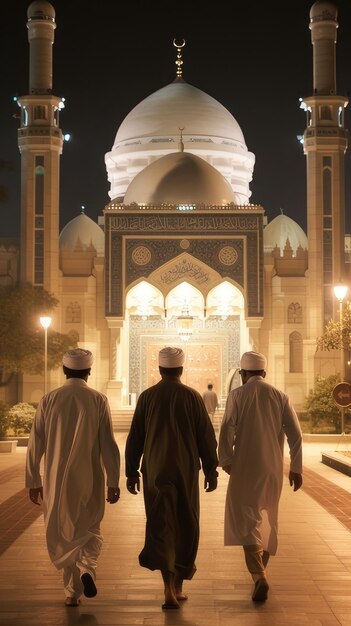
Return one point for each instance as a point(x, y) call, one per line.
point(45, 322)
point(340, 292)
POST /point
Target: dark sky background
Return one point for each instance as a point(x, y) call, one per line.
point(254, 59)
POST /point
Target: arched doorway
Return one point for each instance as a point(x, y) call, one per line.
point(210, 327)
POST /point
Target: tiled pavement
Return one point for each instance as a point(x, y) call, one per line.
point(310, 578)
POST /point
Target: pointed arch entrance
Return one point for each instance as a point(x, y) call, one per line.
point(208, 324)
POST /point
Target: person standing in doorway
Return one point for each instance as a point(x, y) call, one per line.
point(73, 429)
point(210, 400)
point(173, 434)
point(251, 450)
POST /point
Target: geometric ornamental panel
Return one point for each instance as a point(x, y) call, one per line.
point(141, 255)
point(228, 255)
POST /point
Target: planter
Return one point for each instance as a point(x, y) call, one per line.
point(337, 461)
point(8, 445)
point(22, 441)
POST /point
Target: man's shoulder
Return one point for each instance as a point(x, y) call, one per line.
point(76, 387)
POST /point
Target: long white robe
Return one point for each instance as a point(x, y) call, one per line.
point(257, 417)
point(73, 429)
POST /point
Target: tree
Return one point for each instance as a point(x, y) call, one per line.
point(319, 404)
point(21, 337)
point(331, 338)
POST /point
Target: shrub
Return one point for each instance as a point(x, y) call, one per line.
point(320, 407)
point(21, 418)
point(4, 418)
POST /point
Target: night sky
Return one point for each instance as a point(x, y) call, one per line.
point(256, 62)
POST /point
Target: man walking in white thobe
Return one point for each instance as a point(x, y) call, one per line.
point(73, 429)
point(251, 450)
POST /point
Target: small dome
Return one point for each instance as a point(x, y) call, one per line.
point(40, 9)
point(279, 230)
point(179, 105)
point(323, 11)
point(82, 233)
point(179, 178)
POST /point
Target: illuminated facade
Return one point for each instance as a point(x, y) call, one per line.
point(179, 254)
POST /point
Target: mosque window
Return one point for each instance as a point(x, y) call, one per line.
point(73, 313)
point(295, 352)
point(39, 257)
point(25, 116)
point(327, 197)
point(341, 116)
point(294, 313)
point(309, 116)
point(327, 257)
point(325, 113)
point(39, 221)
point(40, 112)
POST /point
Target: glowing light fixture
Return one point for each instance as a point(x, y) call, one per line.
point(340, 291)
point(185, 324)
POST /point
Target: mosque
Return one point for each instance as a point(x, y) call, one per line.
point(180, 256)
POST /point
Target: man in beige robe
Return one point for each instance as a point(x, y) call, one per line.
point(172, 433)
point(73, 429)
point(251, 450)
point(210, 400)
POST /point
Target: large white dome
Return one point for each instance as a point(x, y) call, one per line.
point(281, 229)
point(152, 130)
point(180, 105)
point(179, 178)
point(82, 233)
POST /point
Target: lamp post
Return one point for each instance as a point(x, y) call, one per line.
point(45, 322)
point(340, 292)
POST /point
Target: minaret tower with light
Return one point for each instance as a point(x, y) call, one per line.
point(40, 144)
point(325, 144)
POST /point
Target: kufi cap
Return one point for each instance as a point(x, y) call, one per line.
point(78, 359)
point(171, 357)
point(253, 361)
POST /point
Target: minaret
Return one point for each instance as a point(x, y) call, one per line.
point(325, 144)
point(40, 144)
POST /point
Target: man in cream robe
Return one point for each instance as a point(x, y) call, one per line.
point(73, 429)
point(251, 450)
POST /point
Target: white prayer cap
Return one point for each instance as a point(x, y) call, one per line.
point(253, 361)
point(78, 359)
point(171, 357)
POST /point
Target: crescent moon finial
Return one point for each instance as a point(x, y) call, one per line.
point(179, 61)
point(179, 45)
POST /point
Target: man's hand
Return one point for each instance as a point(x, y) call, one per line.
point(227, 469)
point(210, 484)
point(36, 494)
point(295, 479)
point(113, 494)
point(133, 484)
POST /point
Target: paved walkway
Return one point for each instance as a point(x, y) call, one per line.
point(310, 578)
